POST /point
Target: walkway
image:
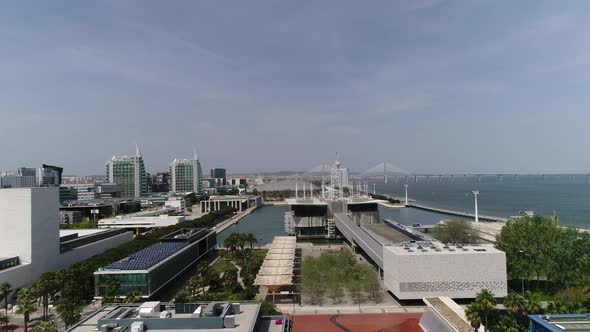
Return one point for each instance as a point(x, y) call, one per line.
point(240, 280)
point(457, 213)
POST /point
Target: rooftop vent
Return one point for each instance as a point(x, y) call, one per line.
point(479, 249)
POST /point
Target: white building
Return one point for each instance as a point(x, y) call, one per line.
point(140, 222)
point(30, 235)
point(418, 270)
point(240, 203)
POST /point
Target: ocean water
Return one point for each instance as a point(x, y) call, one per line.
point(568, 196)
point(265, 222)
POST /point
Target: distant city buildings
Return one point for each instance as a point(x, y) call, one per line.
point(161, 182)
point(89, 191)
point(186, 175)
point(219, 176)
point(129, 173)
point(25, 177)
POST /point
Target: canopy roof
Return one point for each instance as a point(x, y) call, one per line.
point(277, 267)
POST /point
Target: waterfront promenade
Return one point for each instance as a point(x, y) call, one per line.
point(233, 220)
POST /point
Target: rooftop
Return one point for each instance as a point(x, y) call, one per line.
point(147, 257)
point(560, 323)
point(169, 317)
point(158, 252)
point(436, 248)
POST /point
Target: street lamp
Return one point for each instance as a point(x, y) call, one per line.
point(475, 193)
point(521, 254)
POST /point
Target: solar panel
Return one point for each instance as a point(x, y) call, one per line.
point(147, 257)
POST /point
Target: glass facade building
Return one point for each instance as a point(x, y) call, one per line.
point(154, 267)
point(129, 174)
point(186, 175)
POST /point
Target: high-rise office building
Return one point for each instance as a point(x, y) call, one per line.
point(186, 175)
point(161, 182)
point(56, 169)
point(218, 173)
point(129, 174)
point(25, 177)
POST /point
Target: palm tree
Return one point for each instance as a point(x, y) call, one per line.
point(473, 317)
point(45, 327)
point(203, 274)
point(44, 287)
point(485, 303)
point(251, 239)
point(231, 242)
point(69, 310)
point(5, 288)
point(514, 302)
point(133, 296)
point(111, 288)
point(26, 304)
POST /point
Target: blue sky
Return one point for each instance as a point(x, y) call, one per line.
point(431, 86)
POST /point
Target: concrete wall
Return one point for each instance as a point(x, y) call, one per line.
point(29, 229)
point(93, 249)
point(453, 274)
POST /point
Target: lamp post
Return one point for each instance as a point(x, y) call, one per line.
point(475, 193)
point(521, 253)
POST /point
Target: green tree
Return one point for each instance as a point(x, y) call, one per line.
point(69, 310)
point(456, 231)
point(485, 306)
point(251, 240)
point(133, 296)
point(373, 285)
point(335, 288)
point(26, 304)
point(45, 286)
point(472, 314)
point(45, 327)
point(529, 243)
point(112, 287)
point(4, 320)
point(204, 274)
point(5, 289)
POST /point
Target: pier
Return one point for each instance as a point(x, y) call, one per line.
point(457, 213)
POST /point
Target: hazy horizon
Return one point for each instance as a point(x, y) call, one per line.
point(431, 86)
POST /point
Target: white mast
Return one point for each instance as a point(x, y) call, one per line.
point(374, 192)
point(405, 185)
point(303, 190)
point(296, 190)
point(475, 193)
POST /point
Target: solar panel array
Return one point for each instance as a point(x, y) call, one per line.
point(147, 257)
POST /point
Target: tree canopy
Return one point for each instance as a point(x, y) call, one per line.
point(456, 231)
point(537, 247)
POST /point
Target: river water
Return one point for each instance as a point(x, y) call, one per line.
point(265, 222)
point(567, 196)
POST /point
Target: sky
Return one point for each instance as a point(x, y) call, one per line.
point(431, 86)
